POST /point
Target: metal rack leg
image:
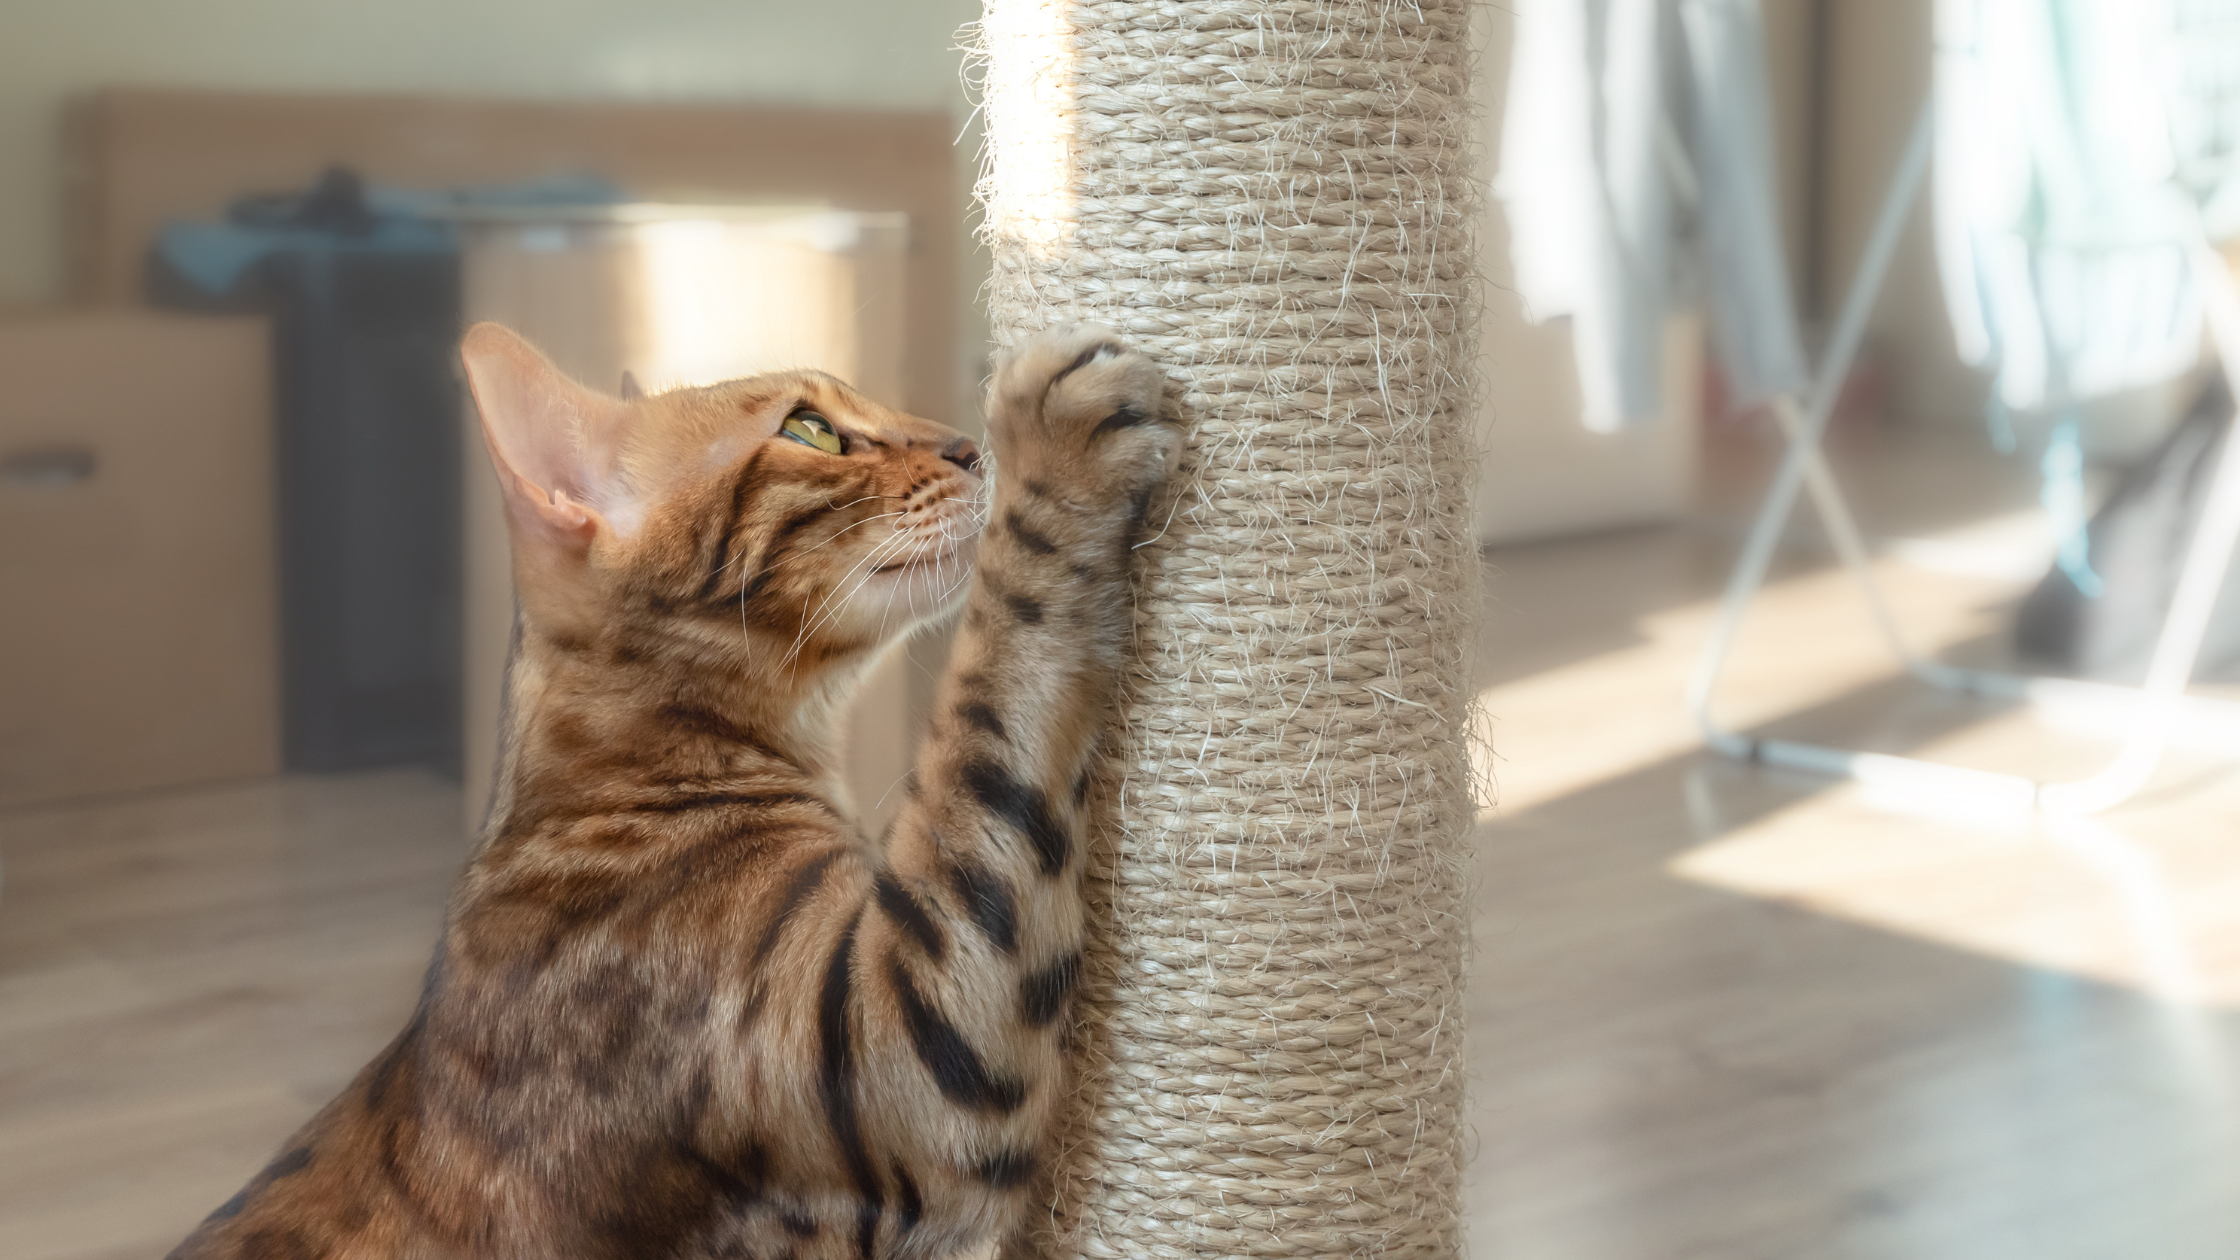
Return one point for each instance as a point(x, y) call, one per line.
point(2208, 560)
point(1804, 467)
point(1843, 531)
point(1804, 442)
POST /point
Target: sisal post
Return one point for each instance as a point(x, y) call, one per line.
point(1273, 198)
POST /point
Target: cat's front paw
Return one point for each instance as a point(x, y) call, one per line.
point(1076, 415)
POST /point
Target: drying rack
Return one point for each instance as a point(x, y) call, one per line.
point(2151, 712)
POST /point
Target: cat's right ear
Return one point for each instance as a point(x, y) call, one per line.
point(553, 443)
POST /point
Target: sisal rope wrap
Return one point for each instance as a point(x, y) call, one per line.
point(1274, 199)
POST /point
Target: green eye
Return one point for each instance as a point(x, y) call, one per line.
point(811, 429)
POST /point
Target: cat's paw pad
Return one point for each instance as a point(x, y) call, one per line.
point(1078, 407)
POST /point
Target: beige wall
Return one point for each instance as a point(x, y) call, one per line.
point(1880, 69)
point(1788, 70)
point(1880, 76)
point(831, 52)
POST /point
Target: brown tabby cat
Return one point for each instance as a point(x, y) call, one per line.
point(682, 1008)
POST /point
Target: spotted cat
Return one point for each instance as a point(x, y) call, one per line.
point(681, 1006)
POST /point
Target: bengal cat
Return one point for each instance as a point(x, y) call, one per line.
point(681, 1007)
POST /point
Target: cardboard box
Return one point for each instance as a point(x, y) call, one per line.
point(133, 158)
point(138, 625)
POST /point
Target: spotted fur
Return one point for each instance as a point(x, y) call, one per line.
point(681, 1007)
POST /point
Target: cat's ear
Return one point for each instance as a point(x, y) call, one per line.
point(553, 442)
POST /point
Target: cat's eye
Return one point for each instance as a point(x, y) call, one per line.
point(811, 429)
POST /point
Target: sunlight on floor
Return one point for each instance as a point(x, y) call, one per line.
point(1604, 716)
point(2147, 897)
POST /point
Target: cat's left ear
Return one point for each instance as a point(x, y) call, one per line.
point(554, 443)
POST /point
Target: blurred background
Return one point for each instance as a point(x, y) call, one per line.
point(1740, 991)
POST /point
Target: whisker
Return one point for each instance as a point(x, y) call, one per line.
point(803, 554)
point(946, 550)
point(797, 556)
point(937, 577)
point(801, 635)
point(842, 507)
point(836, 601)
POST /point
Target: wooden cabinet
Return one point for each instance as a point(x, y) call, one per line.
point(138, 628)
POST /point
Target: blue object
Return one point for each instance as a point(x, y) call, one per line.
point(2075, 139)
point(342, 214)
point(2061, 493)
point(363, 289)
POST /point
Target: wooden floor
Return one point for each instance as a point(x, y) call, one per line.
point(1717, 1012)
point(1721, 1012)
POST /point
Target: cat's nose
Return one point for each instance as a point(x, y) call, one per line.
point(962, 452)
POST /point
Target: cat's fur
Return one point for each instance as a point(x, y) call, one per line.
point(681, 1008)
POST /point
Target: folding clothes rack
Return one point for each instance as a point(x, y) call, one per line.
point(2154, 710)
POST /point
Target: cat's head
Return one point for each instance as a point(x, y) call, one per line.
point(780, 522)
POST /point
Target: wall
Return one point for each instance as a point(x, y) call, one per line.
point(1788, 34)
point(832, 52)
point(1880, 78)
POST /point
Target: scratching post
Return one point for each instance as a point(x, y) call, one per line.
point(1273, 199)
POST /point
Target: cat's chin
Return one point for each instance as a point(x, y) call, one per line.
point(925, 585)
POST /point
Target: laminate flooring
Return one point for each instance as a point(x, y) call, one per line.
point(1716, 1011)
point(1725, 1012)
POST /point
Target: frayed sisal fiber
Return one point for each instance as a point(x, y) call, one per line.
point(1274, 199)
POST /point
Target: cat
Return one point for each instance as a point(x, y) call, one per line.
point(681, 1007)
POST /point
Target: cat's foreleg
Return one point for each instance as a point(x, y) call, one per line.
point(979, 923)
